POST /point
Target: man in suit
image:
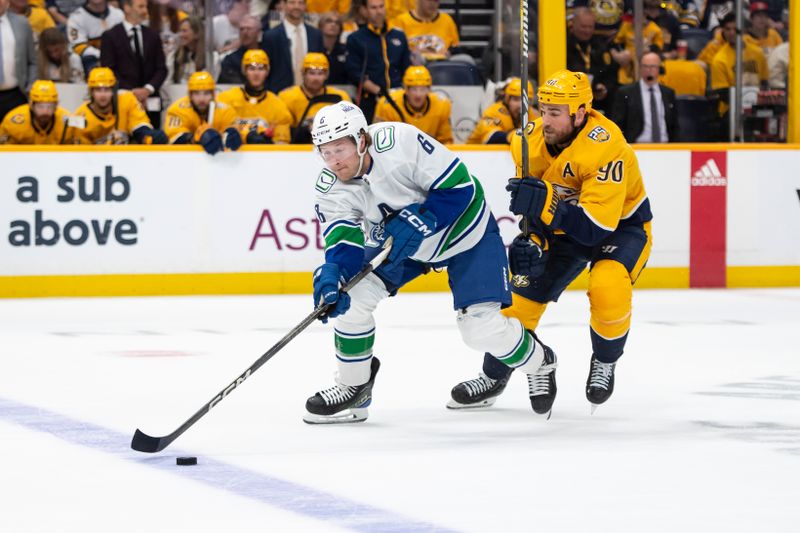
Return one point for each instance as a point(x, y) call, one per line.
point(17, 59)
point(645, 111)
point(287, 46)
point(134, 52)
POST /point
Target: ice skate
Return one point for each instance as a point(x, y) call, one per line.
point(600, 384)
point(342, 404)
point(542, 384)
point(477, 393)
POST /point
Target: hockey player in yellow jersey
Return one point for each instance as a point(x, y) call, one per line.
point(111, 117)
point(262, 118)
point(40, 122)
point(501, 119)
point(304, 100)
point(200, 119)
point(416, 104)
point(585, 203)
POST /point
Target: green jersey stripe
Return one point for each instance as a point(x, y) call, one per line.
point(460, 175)
point(346, 234)
point(354, 347)
point(466, 220)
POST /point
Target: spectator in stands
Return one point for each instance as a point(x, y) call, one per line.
point(304, 100)
point(686, 78)
point(607, 14)
point(199, 119)
point(377, 57)
point(17, 59)
point(664, 15)
point(330, 24)
point(40, 122)
point(624, 49)
point(249, 39)
point(86, 25)
point(760, 32)
point(501, 119)
point(262, 117)
point(226, 27)
point(317, 8)
point(590, 54)
point(431, 33)
point(778, 64)
point(166, 20)
point(269, 12)
point(355, 18)
point(60, 10)
point(55, 62)
point(416, 104)
point(645, 111)
point(287, 46)
point(395, 8)
point(190, 56)
point(38, 18)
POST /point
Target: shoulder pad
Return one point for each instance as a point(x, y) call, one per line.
point(325, 181)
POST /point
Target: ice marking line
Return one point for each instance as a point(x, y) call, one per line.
point(278, 493)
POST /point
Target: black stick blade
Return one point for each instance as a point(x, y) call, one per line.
point(143, 442)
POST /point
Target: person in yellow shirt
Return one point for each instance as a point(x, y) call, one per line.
point(761, 33)
point(200, 119)
point(304, 100)
point(262, 118)
point(755, 72)
point(37, 16)
point(415, 104)
point(684, 77)
point(430, 32)
point(499, 120)
point(584, 199)
point(111, 117)
point(624, 51)
point(319, 7)
point(42, 121)
point(711, 48)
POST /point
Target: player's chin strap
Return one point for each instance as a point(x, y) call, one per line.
point(360, 153)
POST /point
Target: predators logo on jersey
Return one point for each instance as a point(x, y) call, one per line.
point(182, 118)
point(100, 129)
point(263, 112)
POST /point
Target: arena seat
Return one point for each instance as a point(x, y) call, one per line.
point(454, 73)
point(696, 39)
point(697, 119)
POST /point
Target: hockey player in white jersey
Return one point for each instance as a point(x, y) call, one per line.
point(392, 180)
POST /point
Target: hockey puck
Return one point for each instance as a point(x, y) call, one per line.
point(186, 461)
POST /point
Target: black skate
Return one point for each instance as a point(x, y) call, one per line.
point(542, 385)
point(477, 393)
point(342, 404)
point(600, 384)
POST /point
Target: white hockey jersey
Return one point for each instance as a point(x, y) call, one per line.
point(407, 166)
point(85, 27)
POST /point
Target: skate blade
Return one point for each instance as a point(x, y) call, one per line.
point(348, 416)
point(452, 404)
point(594, 408)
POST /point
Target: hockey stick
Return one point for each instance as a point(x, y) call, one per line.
point(394, 105)
point(143, 442)
point(523, 78)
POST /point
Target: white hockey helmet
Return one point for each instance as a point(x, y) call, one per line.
point(336, 121)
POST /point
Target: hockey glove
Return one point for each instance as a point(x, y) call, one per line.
point(232, 139)
point(211, 141)
point(159, 137)
point(408, 228)
point(328, 279)
point(254, 137)
point(535, 199)
point(527, 256)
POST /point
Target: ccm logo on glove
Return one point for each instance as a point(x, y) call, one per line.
point(416, 222)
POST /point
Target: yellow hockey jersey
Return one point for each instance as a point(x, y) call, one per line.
point(296, 102)
point(266, 111)
point(434, 119)
point(431, 38)
point(18, 127)
point(651, 35)
point(598, 171)
point(496, 119)
point(182, 118)
point(131, 116)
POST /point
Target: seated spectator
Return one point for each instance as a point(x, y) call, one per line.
point(416, 104)
point(38, 18)
point(165, 20)
point(304, 100)
point(330, 24)
point(111, 117)
point(607, 15)
point(645, 111)
point(226, 27)
point(761, 32)
point(287, 45)
point(431, 34)
point(199, 119)
point(624, 49)
point(590, 54)
point(354, 19)
point(86, 25)
point(778, 64)
point(706, 55)
point(60, 10)
point(501, 119)
point(665, 16)
point(686, 78)
point(40, 122)
point(262, 117)
point(55, 62)
point(249, 39)
point(190, 56)
point(270, 12)
point(17, 59)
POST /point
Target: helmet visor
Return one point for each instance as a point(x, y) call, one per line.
point(336, 151)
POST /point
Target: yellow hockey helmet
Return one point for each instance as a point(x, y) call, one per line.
point(101, 77)
point(567, 87)
point(201, 81)
point(514, 88)
point(44, 91)
point(256, 56)
point(315, 60)
point(417, 77)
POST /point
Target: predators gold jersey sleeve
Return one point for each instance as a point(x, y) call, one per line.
point(264, 112)
point(297, 102)
point(182, 118)
point(433, 119)
point(18, 127)
point(495, 125)
point(597, 172)
point(131, 116)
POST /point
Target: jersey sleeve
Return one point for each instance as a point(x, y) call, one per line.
point(341, 224)
point(137, 117)
point(78, 39)
point(282, 122)
point(177, 123)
